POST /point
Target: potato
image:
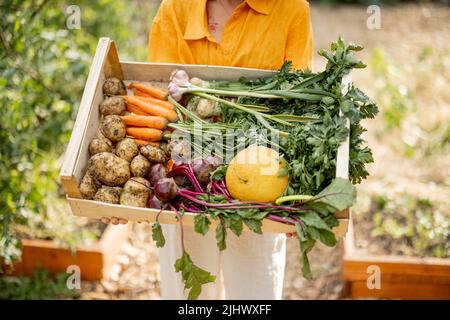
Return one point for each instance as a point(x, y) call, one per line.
point(100, 144)
point(114, 87)
point(109, 169)
point(153, 154)
point(113, 128)
point(127, 149)
point(140, 166)
point(89, 186)
point(108, 194)
point(136, 192)
point(112, 105)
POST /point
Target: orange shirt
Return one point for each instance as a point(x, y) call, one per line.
point(259, 34)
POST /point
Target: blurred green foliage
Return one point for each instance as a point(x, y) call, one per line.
point(393, 94)
point(410, 96)
point(405, 224)
point(41, 285)
point(43, 68)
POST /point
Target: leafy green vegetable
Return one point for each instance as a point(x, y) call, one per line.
point(339, 195)
point(201, 224)
point(312, 115)
point(306, 244)
point(193, 276)
point(235, 224)
point(157, 235)
point(221, 235)
point(219, 173)
point(253, 225)
point(312, 219)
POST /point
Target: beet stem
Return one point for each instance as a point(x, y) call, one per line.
point(234, 205)
point(280, 219)
point(181, 225)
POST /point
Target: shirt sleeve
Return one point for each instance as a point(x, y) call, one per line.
point(163, 35)
point(300, 41)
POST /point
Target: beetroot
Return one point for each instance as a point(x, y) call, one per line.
point(166, 189)
point(157, 172)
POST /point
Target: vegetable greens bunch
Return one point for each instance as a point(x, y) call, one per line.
point(312, 114)
point(311, 149)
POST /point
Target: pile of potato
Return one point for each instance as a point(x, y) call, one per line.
point(118, 168)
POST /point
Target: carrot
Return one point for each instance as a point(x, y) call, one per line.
point(135, 110)
point(152, 109)
point(170, 164)
point(141, 142)
point(154, 92)
point(150, 134)
point(140, 93)
point(145, 121)
point(162, 103)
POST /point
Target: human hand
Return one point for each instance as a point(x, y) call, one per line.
point(291, 235)
point(113, 220)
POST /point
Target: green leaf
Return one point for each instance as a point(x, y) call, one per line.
point(254, 225)
point(312, 219)
point(235, 225)
point(331, 221)
point(221, 235)
point(260, 215)
point(247, 213)
point(157, 235)
point(201, 224)
point(339, 195)
point(306, 244)
point(219, 173)
point(327, 238)
point(283, 172)
point(193, 276)
point(313, 232)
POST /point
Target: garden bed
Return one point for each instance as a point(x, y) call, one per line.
point(94, 261)
point(401, 277)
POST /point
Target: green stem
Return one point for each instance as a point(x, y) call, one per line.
point(185, 111)
point(195, 89)
point(269, 127)
point(240, 107)
point(295, 95)
point(295, 118)
point(310, 80)
point(296, 197)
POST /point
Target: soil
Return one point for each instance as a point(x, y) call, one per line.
point(405, 31)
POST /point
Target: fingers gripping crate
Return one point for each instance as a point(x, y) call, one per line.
point(106, 64)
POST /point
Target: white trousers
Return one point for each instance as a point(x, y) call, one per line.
point(251, 267)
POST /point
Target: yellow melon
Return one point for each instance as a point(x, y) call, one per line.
point(253, 175)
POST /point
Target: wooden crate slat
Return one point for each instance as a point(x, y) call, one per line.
point(68, 180)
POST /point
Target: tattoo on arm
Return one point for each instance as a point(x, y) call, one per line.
point(212, 24)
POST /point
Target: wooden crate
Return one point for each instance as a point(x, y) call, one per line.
point(95, 261)
point(401, 277)
point(106, 64)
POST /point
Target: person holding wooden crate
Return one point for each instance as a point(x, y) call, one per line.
point(260, 34)
point(254, 34)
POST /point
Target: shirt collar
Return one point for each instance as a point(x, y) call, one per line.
point(197, 26)
point(260, 6)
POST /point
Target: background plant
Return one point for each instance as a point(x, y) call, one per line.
point(39, 286)
point(43, 68)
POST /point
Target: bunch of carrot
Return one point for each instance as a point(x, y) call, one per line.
point(151, 113)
